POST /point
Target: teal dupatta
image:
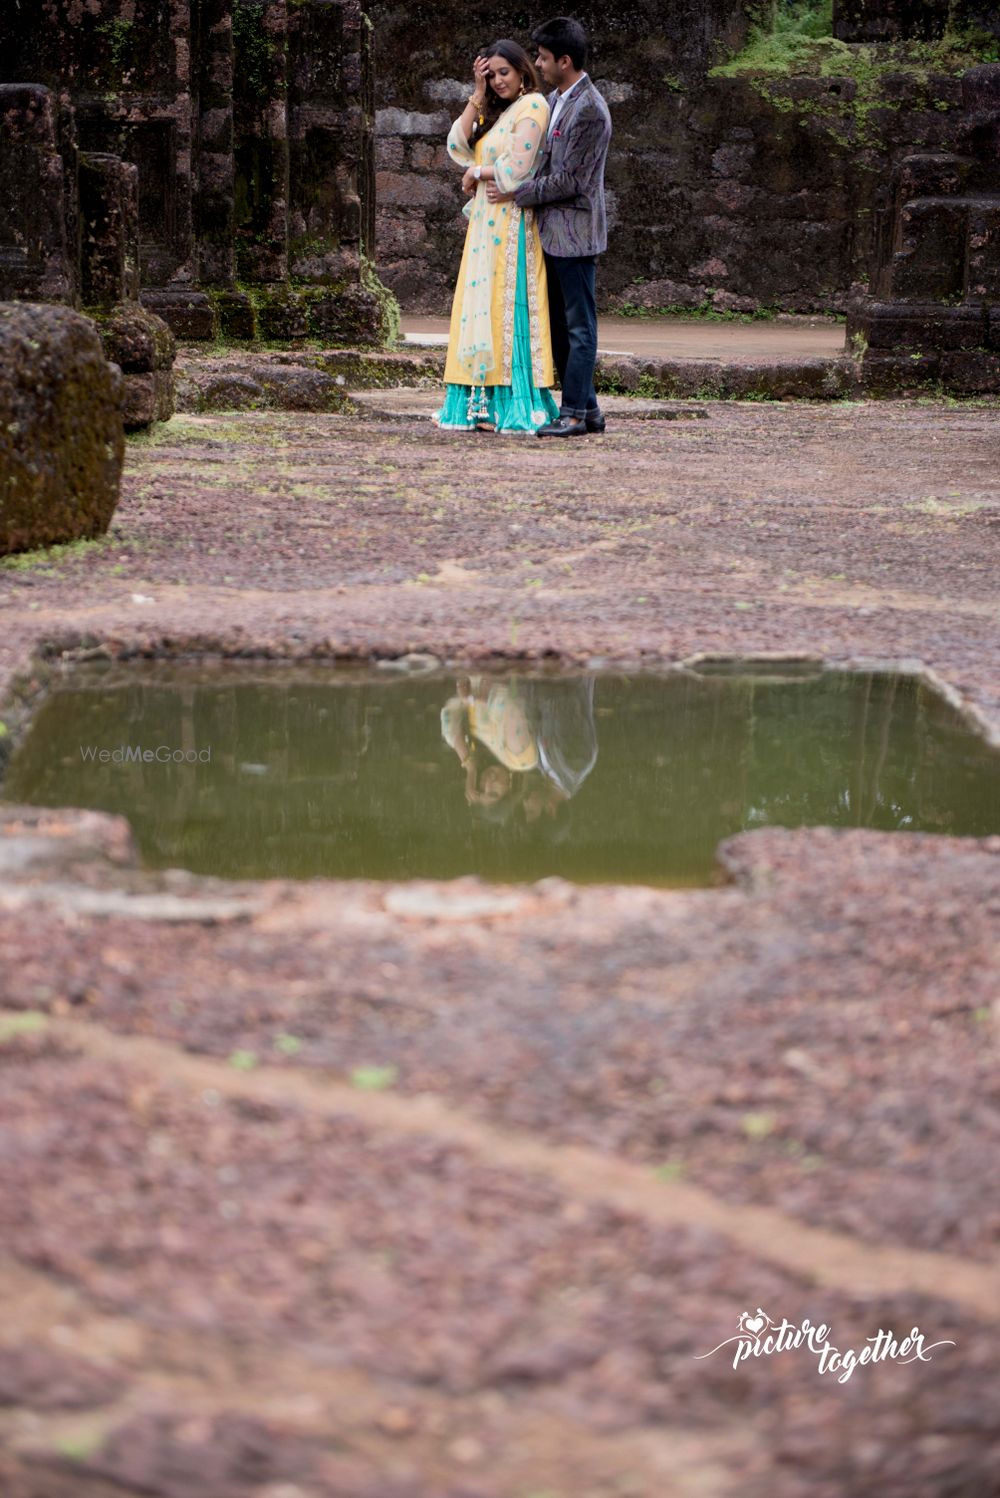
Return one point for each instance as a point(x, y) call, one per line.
point(519, 406)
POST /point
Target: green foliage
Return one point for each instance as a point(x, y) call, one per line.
point(389, 306)
point(81, 1447)
point(757, 1126)
point(46, 557)
point(373, 1078)
point(704, 310)
point(243, 1060)
point(120, 36)
point(28, 1023)
point(670, 1170)
point(253, 51)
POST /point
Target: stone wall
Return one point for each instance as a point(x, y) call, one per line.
point(248, 124)
point(911, 20)
point(644, 57)
point(740, 191)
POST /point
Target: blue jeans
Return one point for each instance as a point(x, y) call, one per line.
point(573, 314)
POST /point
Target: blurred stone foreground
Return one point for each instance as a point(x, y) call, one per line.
point(364, 1191)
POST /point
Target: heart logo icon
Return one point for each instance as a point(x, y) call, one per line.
point(755, 1323)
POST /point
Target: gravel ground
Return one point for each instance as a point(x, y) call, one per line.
point(441, 1191)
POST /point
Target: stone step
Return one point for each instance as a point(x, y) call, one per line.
point(335, 380)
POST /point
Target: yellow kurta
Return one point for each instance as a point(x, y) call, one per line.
point(496, 716)
point(488, 275)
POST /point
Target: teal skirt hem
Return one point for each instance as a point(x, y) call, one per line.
point(518, 407)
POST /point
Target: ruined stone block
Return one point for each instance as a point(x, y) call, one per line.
point(932, 174)
point(143, 347)
point(236, 314)
point(929, 262)
point(915, 328)
point(982, 272)
point(971, 371)
point(188, 314)
point(353, 315)
point(981, 87)
point(975, 15)
point(61, 434)
point(263, 384)
point(147, 398)
point(136, 339)
point(156, 137)
point(899, 373)
point(281, 313)
point(39, 247)
point(109, 216)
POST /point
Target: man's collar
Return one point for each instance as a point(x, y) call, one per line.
point(572, 86)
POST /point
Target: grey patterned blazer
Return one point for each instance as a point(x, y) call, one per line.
point(567, 190)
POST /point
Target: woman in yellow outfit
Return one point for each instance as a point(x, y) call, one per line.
point(499, 369)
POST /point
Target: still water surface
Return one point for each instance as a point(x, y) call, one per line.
point(282, 772)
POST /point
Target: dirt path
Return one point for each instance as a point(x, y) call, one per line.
point(688, 338)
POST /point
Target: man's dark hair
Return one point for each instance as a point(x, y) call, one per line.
point(563, 36)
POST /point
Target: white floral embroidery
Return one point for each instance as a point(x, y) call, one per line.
point(510, 289)
point(531, 269)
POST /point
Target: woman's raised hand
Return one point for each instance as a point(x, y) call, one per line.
point(480, 74)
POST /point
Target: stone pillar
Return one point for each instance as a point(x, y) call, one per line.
point(261, 139)
point(324, 147)
point(109, 212)
point(39, 223)
point(215, 176)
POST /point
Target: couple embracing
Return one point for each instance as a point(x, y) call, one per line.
point(524, 305)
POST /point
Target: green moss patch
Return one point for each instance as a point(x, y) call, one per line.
point(799, 44)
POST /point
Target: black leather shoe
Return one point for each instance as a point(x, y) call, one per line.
point(595, 421)
point(564, 426)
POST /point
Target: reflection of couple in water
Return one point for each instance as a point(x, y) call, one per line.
point(526, 745)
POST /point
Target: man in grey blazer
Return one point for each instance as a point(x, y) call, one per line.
point(567, 194)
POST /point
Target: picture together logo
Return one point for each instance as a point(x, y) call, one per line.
point(759, 1336)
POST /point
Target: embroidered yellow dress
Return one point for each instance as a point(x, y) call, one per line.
point(495, 715)
point(499, 365)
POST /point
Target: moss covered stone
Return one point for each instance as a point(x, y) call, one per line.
point(136, 339)
point(143, 347)
point(61, 435)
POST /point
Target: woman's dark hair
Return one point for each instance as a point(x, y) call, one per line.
point(515, 54)
point(563, 37)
